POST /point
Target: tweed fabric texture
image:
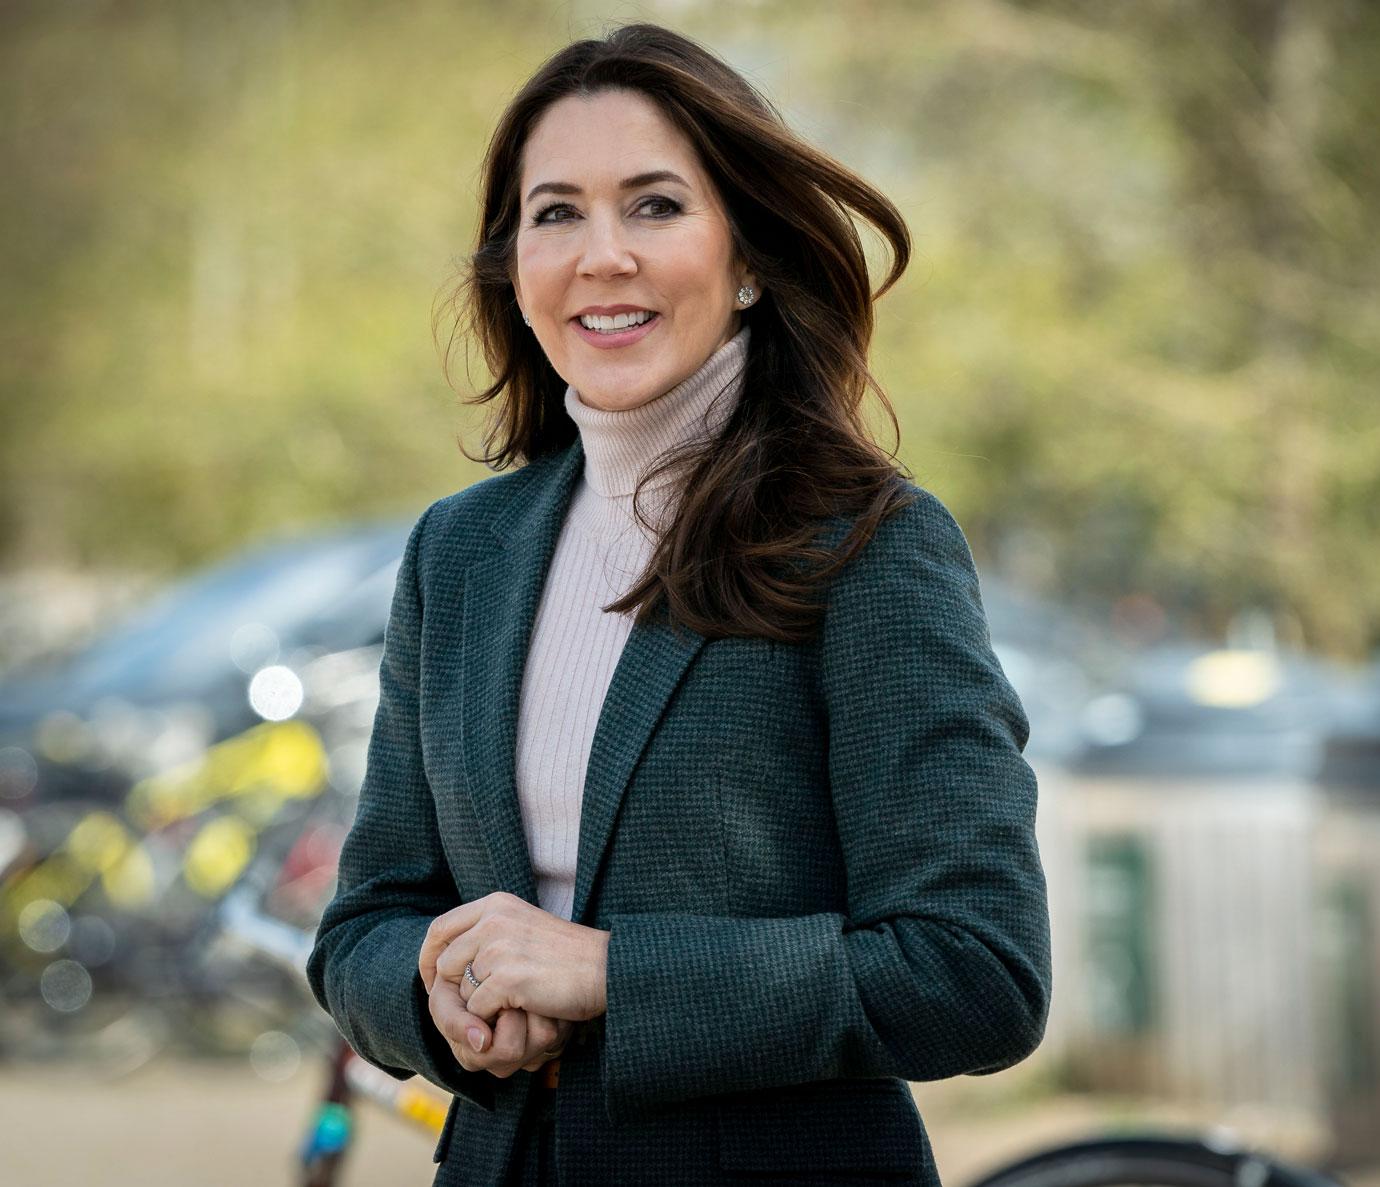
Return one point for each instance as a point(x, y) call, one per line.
point(816, 862)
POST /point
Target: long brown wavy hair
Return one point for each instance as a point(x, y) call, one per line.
point(740, 556)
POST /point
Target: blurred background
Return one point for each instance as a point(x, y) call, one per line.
point(1136, 354)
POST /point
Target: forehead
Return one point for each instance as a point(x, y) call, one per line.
point(598, 139)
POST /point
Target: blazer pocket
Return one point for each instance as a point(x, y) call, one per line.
point(825, 1126)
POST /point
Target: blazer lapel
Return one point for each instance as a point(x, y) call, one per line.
point(501, 597)
point(652, 662)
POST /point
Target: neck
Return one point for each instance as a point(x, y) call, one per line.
point(620, 446)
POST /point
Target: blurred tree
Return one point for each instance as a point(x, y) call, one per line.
point(1141, 334)
point(1136, 351)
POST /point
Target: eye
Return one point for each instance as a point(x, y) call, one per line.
point(669, 206)
point(656, 205)
point(540, 216)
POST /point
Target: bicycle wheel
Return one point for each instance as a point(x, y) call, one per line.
point(1150, 1162)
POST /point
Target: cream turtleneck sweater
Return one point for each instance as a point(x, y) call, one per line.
point(600, 553)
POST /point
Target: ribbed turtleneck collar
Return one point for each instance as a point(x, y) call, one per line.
point(621, 445)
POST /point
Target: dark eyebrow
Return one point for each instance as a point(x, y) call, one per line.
point(628, 183)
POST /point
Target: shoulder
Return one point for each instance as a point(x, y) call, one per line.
point(925, 523)
point(458, 530)
point(908, 608)
point(914, 579)
point(919, 536)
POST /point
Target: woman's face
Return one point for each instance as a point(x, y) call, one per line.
point(619, 218)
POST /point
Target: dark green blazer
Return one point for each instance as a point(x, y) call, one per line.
point(817, 862)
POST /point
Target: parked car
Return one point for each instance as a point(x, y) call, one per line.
point(176, 677)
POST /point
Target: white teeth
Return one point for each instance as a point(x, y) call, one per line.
point(608, 325)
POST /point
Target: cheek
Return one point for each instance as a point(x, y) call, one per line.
point(537, 271)
point(690, 292)
point(702, 268)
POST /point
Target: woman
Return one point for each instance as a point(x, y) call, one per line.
point(696, 820)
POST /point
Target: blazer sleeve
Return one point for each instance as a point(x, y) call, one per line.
point(393, 880)
point(941, 964)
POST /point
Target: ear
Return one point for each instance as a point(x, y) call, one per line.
point(749, 279)
point(517, 295)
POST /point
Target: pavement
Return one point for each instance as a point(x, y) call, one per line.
point(222, 1124)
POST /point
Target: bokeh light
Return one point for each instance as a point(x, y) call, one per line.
point(18, 773)
point(66, 986)
point(92, 941)
point(253, 646)
point(275, 1056)
point(44, 925)
point(276, 693)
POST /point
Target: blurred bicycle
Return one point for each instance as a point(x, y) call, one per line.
point(1153, 1160)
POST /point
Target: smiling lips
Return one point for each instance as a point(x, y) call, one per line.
point(607, 327)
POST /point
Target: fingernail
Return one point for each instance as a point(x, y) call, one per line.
point(476, 1037)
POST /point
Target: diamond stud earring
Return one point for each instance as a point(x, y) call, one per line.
point(746, 296)
point(526, 321)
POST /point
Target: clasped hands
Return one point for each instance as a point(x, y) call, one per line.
point(539, 974)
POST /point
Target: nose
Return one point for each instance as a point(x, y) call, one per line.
point(604, 250)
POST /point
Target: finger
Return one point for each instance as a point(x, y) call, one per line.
point(507, 1032)
point(468, 1058)
point(451, 962)
point(543, 1036)
point(447, 1011)
point(510, 1043)
point(456, 1023)
point(467, 1035)
point(547, 1044)
point(444, 928)
point(543, 1059)
point(491, 997)
point(439, 933)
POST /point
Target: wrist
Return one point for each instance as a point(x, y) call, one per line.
point(599, 964)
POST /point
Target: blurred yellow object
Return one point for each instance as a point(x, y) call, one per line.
point(260, 768)
point(1234, 679)
point(63, 737)
point(99, 842)
point(423, 1105)
point(130, 882)
point(98, 845)
point(424, 1109)
point(218, 855)
point(58, 878)
point(280, 760)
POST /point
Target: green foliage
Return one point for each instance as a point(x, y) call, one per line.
point(1135, 352)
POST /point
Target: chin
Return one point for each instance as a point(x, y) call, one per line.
point(618, 401)
point(609, 393)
